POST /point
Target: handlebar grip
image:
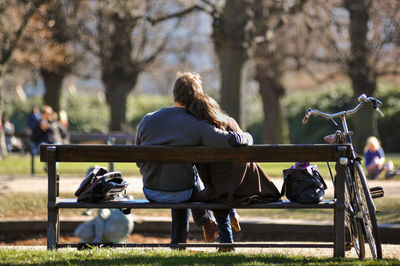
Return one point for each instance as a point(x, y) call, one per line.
point(307, 116)
point(380, 111)
point(305, 119)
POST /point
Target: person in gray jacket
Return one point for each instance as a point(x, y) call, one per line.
point(171, 182)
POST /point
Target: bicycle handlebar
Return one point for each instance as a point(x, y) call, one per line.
point(362, 99)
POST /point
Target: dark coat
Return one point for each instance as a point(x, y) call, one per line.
point(236, 183)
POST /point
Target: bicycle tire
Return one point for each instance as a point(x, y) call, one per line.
point(368, 213)
point(354, 225)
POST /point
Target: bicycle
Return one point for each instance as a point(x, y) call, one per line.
point(360, 211)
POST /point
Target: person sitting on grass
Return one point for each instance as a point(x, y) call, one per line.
point(375, 160)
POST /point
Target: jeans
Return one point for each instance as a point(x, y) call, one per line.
point(224, 225)
point(180, 217)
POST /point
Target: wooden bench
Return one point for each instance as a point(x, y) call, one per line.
point(255, 153)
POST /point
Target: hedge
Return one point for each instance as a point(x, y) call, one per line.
point(337, 98)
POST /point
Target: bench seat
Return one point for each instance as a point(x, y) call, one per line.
point(145, 204)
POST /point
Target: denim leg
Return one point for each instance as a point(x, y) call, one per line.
point(200, 216)
point(180, 225)
point(224, 226)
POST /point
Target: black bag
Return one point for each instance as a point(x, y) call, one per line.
point(101, 185)
point(300, 186)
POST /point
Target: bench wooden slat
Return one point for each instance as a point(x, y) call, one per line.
point(254, 153)
point(145, 204)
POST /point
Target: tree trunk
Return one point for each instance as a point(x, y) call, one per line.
point(3, 147)
point(232, 36)
point(360, 70)
point(231, 65)
point(118, 85)
point(53, 84)
point(273, 123)
point(269, 77)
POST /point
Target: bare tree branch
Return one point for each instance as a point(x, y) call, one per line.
point(6, 53)
point(318, 80)
point(178, 14)
point(388, 72)
point(161, 47)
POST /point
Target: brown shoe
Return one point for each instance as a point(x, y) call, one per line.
point(210, 231)
point(235, 222)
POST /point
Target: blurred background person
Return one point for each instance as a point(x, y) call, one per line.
point(33, 119)
point(49, 130)
point(63, 118)
point(375, 160)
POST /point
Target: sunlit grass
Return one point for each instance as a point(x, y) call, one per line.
point(19, 164)
point(105, 256)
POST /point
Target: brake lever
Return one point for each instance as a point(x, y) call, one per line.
point(307, 116)
point(375, 104)
point(380, 111)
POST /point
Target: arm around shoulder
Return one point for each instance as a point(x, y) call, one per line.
point(238, 139)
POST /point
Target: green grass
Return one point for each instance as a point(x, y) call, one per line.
point(19, 164)
point(161, 257)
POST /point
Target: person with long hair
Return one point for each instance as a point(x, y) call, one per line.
point(230, 183)
point(375, 160)
point(167, 182)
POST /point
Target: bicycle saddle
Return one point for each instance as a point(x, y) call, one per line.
point(336, 138)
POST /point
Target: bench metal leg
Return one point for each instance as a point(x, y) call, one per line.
point(53, 222)
point(339, 222)
point(53, 227)
point(32, 163)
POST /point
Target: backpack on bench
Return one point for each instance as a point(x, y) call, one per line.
point(101, 185)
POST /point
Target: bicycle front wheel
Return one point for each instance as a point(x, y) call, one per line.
point(368, 212)
point(353, 224)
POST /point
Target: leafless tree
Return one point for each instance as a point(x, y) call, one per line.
point(278, 39)
point(14, 17)
point(126, 45)
point(49, 46)
point(233, 34)
point(359, 38)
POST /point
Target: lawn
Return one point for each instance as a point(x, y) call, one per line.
point(19, 164)
point(161, 257)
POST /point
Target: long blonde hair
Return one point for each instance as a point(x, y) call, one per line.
point(372, 141)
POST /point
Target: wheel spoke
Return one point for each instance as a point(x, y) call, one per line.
point(354, 225)
point(367, 212)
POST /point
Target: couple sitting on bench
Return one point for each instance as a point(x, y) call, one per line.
point(196, 119)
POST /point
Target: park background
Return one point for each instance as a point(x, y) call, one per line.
point(108, 63)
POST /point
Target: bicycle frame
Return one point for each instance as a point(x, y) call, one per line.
point(355, 181)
